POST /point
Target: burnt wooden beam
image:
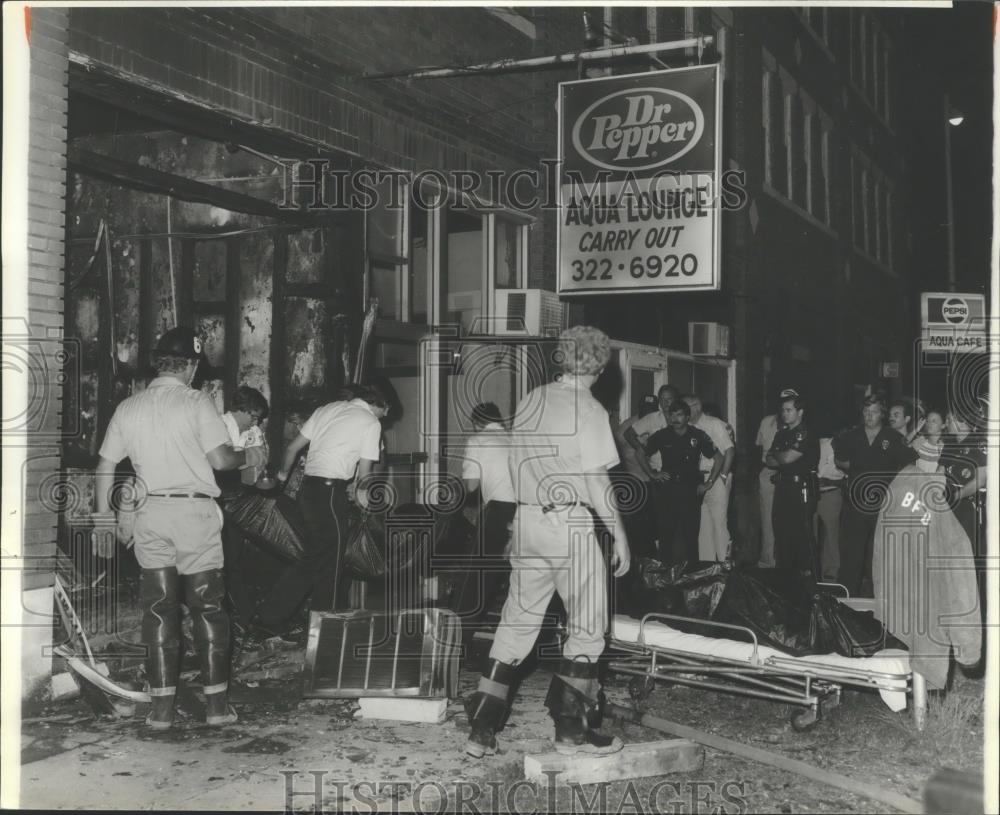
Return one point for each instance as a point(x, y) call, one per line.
point(105, 342)
point(147, 98)
point(278, 363)
point(187, 189)
point(232, 316)
point(147, 323)
point(184, 285)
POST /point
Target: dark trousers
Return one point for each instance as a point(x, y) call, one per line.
point(234, 548)
point(491, 568)
point(966, 513)
point(640, 525)
point(319, 575)
point(677, 508)
point(857, 535)
point(794, 534)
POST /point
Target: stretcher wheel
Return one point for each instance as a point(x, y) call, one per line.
point(803, 720)
point(639, 687)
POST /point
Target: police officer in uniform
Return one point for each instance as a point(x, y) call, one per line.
point(795, 454)
point(963, 458)
point(679, 487)
point(175, 437)
point(871, 455)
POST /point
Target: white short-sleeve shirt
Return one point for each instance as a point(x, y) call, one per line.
point(486, 460)
point(341, 434)
point(765, 434)
point(166, 431)
point(827, 467)
point(718, 432)
point(649, 424)
point(561, 433)
point(645, 427)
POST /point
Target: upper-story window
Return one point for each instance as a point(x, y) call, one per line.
point(872, 63)
point(796, 142)
point(873, 204)
point(388, 255)
point(817, 20)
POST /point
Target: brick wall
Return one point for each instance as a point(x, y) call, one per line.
point(301, 69)
point(46, 249)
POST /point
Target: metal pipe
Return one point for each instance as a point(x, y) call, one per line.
point(497, 66)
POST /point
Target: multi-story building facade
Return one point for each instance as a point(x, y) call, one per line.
point(180, 136)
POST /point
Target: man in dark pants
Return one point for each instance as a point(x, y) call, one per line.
point(679, 487)
point(871, 455)
point(486, 469)
point(795, 454)
point(964, 460)
point(243, 420)
point(344, 440)
point(633, 479)
point(175, 438)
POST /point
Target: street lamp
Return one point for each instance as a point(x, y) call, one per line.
point(952, 119)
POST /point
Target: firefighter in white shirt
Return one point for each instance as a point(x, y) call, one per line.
point(562, 447)
point(344, 441)
point(175, 438)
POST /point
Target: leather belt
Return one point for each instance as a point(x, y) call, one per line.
point(179, 495)
point(794, 479)
point(328, 481)
point(547, 508)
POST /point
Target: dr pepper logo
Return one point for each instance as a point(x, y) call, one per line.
point(638, 129)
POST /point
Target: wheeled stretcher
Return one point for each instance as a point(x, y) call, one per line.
point(735, 662)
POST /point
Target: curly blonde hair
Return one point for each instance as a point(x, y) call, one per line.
point(583, 350)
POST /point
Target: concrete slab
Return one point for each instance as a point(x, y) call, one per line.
point(632, 761)
point(432, 711)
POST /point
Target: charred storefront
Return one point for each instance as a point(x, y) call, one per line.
point(414, 202)
point(222, 170)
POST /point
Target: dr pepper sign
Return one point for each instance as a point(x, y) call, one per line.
point(639, 182)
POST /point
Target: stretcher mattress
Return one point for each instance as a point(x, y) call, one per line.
point(888, 670)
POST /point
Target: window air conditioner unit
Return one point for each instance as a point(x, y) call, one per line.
point(708, 340)
point(528, 313)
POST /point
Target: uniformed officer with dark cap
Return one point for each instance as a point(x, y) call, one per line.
point(795, 454)
point(964, 459)
point(175, 438)
point(679, 486)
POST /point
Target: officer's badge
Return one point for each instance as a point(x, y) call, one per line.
point(693, 442)
point(885, 444)
point(799, 436)
point(196, 343)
